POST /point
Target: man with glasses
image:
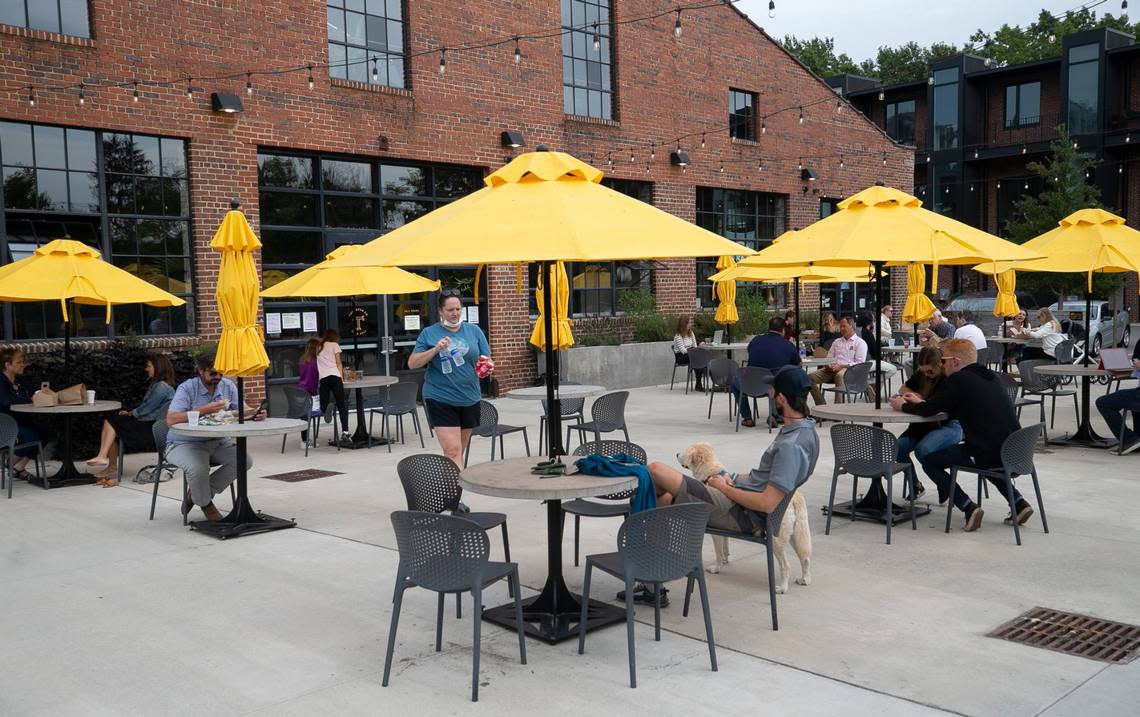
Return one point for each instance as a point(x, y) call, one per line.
point(973, 396)
point(845, 352)
point(207, 393)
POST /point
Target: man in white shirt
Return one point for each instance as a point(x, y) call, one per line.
point(968, 330)
point(845, 351)
point(885, 323)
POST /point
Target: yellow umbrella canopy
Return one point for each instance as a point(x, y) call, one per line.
point(241, 349)
point(65, 269)
point(542, 206)
point(918, 306)
point(742, 271)
point(1006, 302)
point(1086, 241)
point(331, 279)
point(726, 293)
point(560, 302)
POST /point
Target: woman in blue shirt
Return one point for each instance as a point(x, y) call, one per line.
point(14, 388)
point(449, 349)
point(135, 426)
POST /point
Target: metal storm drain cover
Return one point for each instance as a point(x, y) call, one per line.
point(298, 476)
point(1073, 634)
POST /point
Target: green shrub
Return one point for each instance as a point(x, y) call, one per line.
point(753, 311)
point(648, 325)
point(704, 325)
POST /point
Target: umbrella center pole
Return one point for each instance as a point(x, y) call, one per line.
point(799, 344)
point(554, 410)
point(878, 334)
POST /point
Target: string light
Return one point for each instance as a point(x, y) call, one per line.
point(763, 128)
point(375, 70)
point(882, 95)
point(884, 159)
point(652, 151)
point(722, 166)
point(771, 8)
point(31, 96)
point(1128, 139)
point(597, 38)
point(702, 140)
point(801, 115)
point(249, 83)
point(312, 82)
point(677, 26)
point(999, 184)
point(841, 164)
point(518, 52)
point(82, 97)
point(975, 152)
point(189, 88)
point(1023, 149)
point(135, 94)
point(838, 106)
point(760, 164)
point(800, 166)
point(631, 159)
point(442, 61)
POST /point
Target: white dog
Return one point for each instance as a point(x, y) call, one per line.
point(701, 460)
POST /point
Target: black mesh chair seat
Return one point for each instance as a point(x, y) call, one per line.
point(399, 401)
point(569, 408)
point(721, 373)
point(754, 384)
point(1042, 386)
point(856, 382)
point(299, 406)
point(448, 554)
point(654, 546)
point(486, 521)
point(698, 361)
point(592, 509)
point(489, 427)
point(868, 452)
point(617, 504)
point(9, 432)
point(607, 415)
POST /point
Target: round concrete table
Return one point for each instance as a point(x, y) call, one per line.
point(538, 393)
point(243, 519)
point(361, 438)
point(815, 362)
point(554, 614)
point(1085, 435)
point(66, 475)
point(740, 346)
point(901, 349)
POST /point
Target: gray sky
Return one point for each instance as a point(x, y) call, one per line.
point(861, 26)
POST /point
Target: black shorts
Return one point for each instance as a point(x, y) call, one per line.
point(444, 415)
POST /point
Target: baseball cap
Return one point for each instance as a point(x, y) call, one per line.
point(791, 381)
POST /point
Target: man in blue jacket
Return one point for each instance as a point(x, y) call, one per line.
point(771, 351)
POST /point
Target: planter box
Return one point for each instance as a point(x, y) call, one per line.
point(626, 366)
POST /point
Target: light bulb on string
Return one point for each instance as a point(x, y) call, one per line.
point(652, 151)
point(801, 115)
point(135, 94)
point(763, 128)
point(647, 167)
point(249, 83)
point(884, 159)
point(631, 159)
point(800, 165)
point(82, 94)
point(702, 140)
point(189, 88)
point(518, 52)
point(442, 61)
point(838, 106)
point(31, 96)
point(375, 70)
point(1127, 139)
point(1120, 169)
point(771, 8)
point(677, 25)
point(975, 153)
point(1023, 149)
point(312, 82)
point(882, 95)
point(841, 164)
point(999, 184)
point(597, 38)
point(971, 186)
point(1026, 187)
point(760, 165)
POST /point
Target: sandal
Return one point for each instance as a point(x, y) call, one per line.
point(21, 474)
point(99, 462)
point(109, 483)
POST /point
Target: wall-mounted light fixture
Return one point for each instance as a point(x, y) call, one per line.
point(226, 102)
point(807, 176)
point(511, 139)
point(679, 158)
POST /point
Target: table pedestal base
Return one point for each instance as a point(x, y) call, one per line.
point(554, 614)
point(242, 520)
point(1085, 436)
point(67, 475)
point(871, 507)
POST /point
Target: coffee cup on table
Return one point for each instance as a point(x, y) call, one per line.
point(192, 417)
point(90, 397)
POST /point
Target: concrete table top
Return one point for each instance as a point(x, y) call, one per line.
point(268, 427)
point(96, 407)
point(867, 413)
point(538, 393)
point(512, 479)
point(1063, 369)
point(371, 382)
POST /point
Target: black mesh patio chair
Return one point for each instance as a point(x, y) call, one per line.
point(1016, 460)
point(9, 432)
point(1134, 409)
point(676, 365)
point(616, 505)
point(907, 367)
point(299, 406)
point(856, 383)
point(698, 361)
point(489, 427)
point(654, 546)
point(1013, 391)
point(448, 554)
point(143, 475)
point(161, 467)
point(868, 452)
point(431, 485)
point(771, 530)
point(721, 373)
point(570, 408)
point(399, 401)
point(607, 414)
point(1042, 386)
point(754, 384)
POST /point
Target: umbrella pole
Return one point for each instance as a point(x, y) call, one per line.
point(878, 334)
point(1088, 333)
point(384, 341)
point(554, 412)
point(355, 338)
point(797, 300)
point(67, 342)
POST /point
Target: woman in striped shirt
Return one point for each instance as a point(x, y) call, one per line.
point(683, 340)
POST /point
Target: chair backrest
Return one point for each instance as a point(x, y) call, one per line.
point(776, 517)
point(298, 402)
point(413, 375)
point(9, 430)
point(440, 552)
point(569, 406)
point(488, 417)
point(755, 380)
point(907, 370)
point(1017, 449)
point(431, 482)
point(158, 430)
point(856, 378)
point(699, 358)
point(1011, 386)
point(612, 448)
point(609, 410)
point(1064, 351)
point(983, 358)
point(721, 371)
point(863, 450)
point(401, 397)
point(1030, 379)
point(664, 543)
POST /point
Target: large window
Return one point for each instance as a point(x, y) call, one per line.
point(55, 182)
point(1084, 85)
point(753, 219)
point(366, 41)
point(67, 17)
point(742, 114)
point(587, 59)
point(947, 178)
point(1022, 105)
point(900, 121)
point(946, 108)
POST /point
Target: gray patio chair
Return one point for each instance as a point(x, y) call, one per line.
point(607, 414)
point(1016, 460)
point(654, 546)
point(1013, 390)
point(448, 554)
point(399, 401)
point(754, 384)
point(698, 361)
point(489, 427)
point(616, 505)
point(9, 432)
point(159, 431)
point(299, 406)
point(1134, 409)
point(856, 382)
point(868, 452)
point(141, 474)
point(570, 408)
point(1035, 384)
point(721, 372)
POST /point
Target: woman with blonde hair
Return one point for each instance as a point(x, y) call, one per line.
point(828, 330)
point(1048, 331)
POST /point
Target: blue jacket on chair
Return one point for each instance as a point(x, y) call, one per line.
point(645, 498)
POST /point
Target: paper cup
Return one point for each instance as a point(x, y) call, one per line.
point(90, 397)
point(192, 418)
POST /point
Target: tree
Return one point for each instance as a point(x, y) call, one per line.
point(1014, 45)
point(1064, 174)
point(908, 62)
point(818, 54)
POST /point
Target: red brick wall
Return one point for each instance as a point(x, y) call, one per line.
point(666, 87)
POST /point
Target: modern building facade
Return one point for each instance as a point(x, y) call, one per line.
point(132, 125)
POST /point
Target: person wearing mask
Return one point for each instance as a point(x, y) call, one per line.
point(828, 330)
point(845, 351)
point(330, 386)
point(683, 340)
point(134, 426)
point(922, 439)
point(937, 329)
point(772, 351)
point(1110, 406)
point(973, 396)
point(1048, 332)
point(967, 329)
point(14, 388)
point(450, 349)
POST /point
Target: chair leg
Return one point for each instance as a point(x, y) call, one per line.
point(467, 453)
point(458, 606)
point(629, 630)
point(283, 439)
point(477, 619)
point(585, 607)
point(625, 431)
point(657, 612)
point(688, 594)
point(399, 599)
point(526, 442)
point(950, 500)
point(507, 555)
point(577, 524)
point(708, 617)
point(439, 623)
point(888, 510)
point(913, 489)
point(1040, 504)
point(515, 589)
point(1012, 507)
point(771, 577)
point(831, 502)
point(416, 425)
point(154, 493)
point(541, 430)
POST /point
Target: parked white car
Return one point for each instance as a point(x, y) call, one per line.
point(1109, 327)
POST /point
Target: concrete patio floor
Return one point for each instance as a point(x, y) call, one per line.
point(107, 613)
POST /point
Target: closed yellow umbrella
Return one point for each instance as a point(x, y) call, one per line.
point(241, 349)
point(918, 306)
point(563, 335)
point(726, 293)
point(1006, 303)
point(331, 279)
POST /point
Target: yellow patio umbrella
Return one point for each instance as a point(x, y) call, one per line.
point(806, 273)
point(241, 348)
point(726, 293)
point(918, 306)
point(560, 323)
point(331, 279)
point(1006, 302)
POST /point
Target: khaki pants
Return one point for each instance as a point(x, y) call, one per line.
point(822, 376)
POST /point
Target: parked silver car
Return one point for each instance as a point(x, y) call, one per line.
point(1109, 327)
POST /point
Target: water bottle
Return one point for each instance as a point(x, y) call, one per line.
point(444, 364)
point(456, 356)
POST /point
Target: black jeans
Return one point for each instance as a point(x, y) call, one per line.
point(937, 466)
point(333, 385)
point(1110, 406)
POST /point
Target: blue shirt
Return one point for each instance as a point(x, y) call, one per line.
point(192, 393)
point(157, 394)
point(461, 386)
point(772, 351)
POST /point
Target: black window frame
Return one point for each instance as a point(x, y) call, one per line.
point(893, 131)
point(1094, 60)
point(26, 5)
point(1019, 119)
point(942, 80)
point(345, 59)
point(580, 61)
point(712, 214)
point(742, 124)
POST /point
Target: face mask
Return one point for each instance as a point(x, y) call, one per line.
point(451, 324)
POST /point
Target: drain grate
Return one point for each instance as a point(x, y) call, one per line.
point(1073, 634)
point(298, 476)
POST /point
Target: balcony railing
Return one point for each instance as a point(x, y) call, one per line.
point(1023, 130)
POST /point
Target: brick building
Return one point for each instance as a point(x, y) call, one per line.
point(976, 127)
point(382, 111)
